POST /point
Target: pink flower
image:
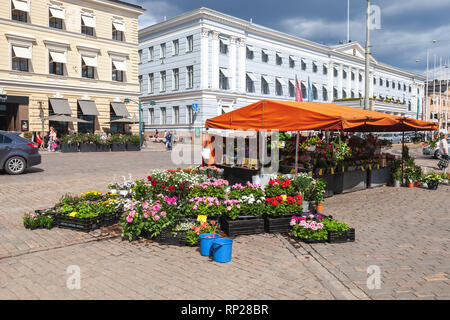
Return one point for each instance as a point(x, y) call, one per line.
point(238, 206)
point(292, 222)
point(229, 208)
point(195, 207)
point(163, 214)
point(156, 218)
point(129, 219)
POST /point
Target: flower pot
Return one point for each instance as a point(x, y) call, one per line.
point(305, 206)
point(397, 183)
point(103, 148)
point(88, 147)
point(424, 185)
point(418, 184)
point(410, 185)
point(132, 147)
point(118, 147)
point(319, 207)
point(67, 148)
point(433, 185)
point(242, 225)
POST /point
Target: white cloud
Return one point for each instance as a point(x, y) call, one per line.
point(402, 7)
point(156, 11)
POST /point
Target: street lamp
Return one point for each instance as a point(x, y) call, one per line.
point(128, 100)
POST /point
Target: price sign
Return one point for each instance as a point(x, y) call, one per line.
point(202, 218)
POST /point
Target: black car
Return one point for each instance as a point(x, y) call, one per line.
point(17, 153)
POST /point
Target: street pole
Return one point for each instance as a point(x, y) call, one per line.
point(440, 94)
point(427, 104)
point(140, 127)
point(446, 104)
point(367, 66)
point(348, 21)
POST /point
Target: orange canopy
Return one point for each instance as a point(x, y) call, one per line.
point(300, 116)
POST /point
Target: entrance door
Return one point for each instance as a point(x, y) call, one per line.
point(4, 119)
point(8, 117)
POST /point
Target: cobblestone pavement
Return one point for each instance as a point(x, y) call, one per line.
point(403, 231)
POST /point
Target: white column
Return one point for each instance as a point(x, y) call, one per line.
point(349, 82)
point(215, 60)
point(340, 81)
point(330, 81)
point(233, 64)
point(356, 82)
point(205, 59)
point(242, 58)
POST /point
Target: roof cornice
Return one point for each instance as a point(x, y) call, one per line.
point(247, 26)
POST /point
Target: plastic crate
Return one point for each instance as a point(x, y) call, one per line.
point(85, 224)
point(341, 236)
point(242, 226)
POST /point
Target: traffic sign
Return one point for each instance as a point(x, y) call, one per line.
point(195, 107)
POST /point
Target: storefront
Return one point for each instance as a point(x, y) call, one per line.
point(14, 113)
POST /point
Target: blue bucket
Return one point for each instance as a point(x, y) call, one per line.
point(222, 249)
point(206, 243)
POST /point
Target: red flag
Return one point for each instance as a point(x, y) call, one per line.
point(298, 92)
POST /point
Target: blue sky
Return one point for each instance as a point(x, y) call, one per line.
point(407, 27)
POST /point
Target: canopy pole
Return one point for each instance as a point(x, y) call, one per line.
point(296, 153)
point(403, 147)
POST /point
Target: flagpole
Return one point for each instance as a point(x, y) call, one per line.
point(348, 21)
point(427, 105)
point(440, 93)
point(367, 65)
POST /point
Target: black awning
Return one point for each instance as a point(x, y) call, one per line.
point(60, 106)
point(88, 107)
point(120, 110)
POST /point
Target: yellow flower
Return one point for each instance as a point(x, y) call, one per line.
point(73, 214)
point(136, 215)
point(284, 197)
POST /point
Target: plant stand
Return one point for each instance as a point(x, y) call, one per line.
point(350, 181)
point(132, 147)
point(69, 148)
point(169, 237)
point(378, 177)
point(341, 236)
point(88, 147)
point(103, 148)
point(117, 147)
point(277, 224)
point(110, 219)
point(85, 225)
point(243, 225)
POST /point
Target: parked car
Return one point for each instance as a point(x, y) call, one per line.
point(17, 153)
point(393, 137)
point(432, 151)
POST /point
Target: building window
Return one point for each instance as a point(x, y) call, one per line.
point(151, 116)
point(176, 47)
point(163, 81)
point(190, 44)
point(163, 116)
point(278, 88)
point(404, 87)
point(344, 94)
point(409, 88)
point(291, 62)
point(315, 93)
point(223, 79)
point(223, 47)
point(335, 72)
point(163, 50)
point(141, 84)
point(151, 83)
point(303, 65)
point(56, 17)
point(176, 115)
point(190, 77)
point(303, 88)
point(381, 82)
point(291, 89)
point(399, 86)
point(314, 67)
point(344, 74)
point(56, 67)
point(374, 80)
point(87, 25)
point(324, 70)
point(409, 105)
point(140, 56)
point(264, 55)
point(88, 65)
point(20, 58)
point(176, 79)
point(250, 54)
point(353, 94)
point(387, 83)
point(190, 115)
point(324, 94)
point(279, 59)
point(151, 52)
point(118, 33)
point(118, 72)
point(360, 77)
point(19, 10)
point(264, 86)
point(353, 76)
point(250, 85)
point(393, 84)
point(335, 93)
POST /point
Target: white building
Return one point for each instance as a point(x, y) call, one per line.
point(219, 63)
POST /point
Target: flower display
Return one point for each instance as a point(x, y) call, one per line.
point(214, 188)
point(277, 187)
point(207, 206)
point(283, 205)
point(193, 235)
point(237, 191)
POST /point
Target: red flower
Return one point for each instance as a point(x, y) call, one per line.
point(330, 146)
point(275, 203)
point(153, 183)
point(163, 186)
point(171, 188)
point(271, 182)
point(149, 178)
point(288, 182)
point(299, 201)
point(181, 187)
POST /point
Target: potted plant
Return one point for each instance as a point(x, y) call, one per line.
point(397, 177)
point(433, 179)
point(69, 143)
point(318, 194)
point(410, 176)
point(103, 145)
point(88, 142)
point(418, 175)
point(303, 184)
point(132, 142)
point(117, 142)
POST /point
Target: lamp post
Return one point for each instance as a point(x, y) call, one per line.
point(128, 100)
point(41, 115)
point(367, 62)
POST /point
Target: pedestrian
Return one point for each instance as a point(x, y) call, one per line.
point(52, 140)
point(443, 149)
point(174, 137)
point(164, 138)
point(156, 134)
point(169, 141)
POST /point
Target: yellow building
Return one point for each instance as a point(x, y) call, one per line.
point(72, 58)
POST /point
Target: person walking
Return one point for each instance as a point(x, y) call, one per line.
point(443, 150)
point(52, 140)
point(169, 141)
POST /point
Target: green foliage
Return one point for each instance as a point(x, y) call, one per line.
point(319, 191)
point(131, 139)
point(333, 225)
point(114, 139)
point(303, 233)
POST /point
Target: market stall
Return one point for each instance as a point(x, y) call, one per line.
point(330, 154)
